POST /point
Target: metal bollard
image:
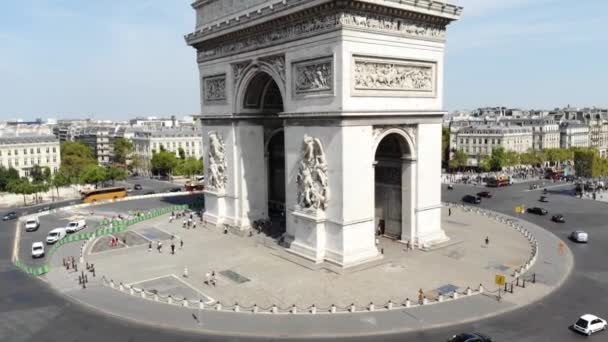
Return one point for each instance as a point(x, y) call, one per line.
point(313, 310)
point(371, 307)
point(218, 306)
point(255, 308)
point(274, 309)
point(389, 306)
point(408, 303)
point(236, 307)
point(169, 299)
point(352, 308)
point(294, 310)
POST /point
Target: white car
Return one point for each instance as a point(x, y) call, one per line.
point(75, 226)
point(55, 235)
point(589, 324)
point(37, 250)
point(579, 236)
point(32, 225)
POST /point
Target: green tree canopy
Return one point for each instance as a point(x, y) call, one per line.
point(498, 159)
point(459, 160)
point(189, 167)
point(122, 150)
point(75, 157)
point(114, 173)
point(21, 186)
point(587, 163)
point(6, 176)
point(445, 145)
point(163, 162)
point(181, 153)
point(93, 174)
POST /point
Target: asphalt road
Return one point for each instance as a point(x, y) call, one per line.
point(30, 311)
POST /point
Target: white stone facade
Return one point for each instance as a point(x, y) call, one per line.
point(145, 143)
point(317, 86)
point(479, 141)
point(574, 134)
point(23, 152)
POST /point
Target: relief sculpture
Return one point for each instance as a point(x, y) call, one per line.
point(215, 88)
point(371, 75)
point(313, 77)
point(312, 179)
point(217, 163)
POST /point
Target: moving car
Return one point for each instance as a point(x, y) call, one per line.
point(579, 236)
point(470, 337)
point(538, 211)
point(484, 194)
point(37, 250)
point(175, 189)
point(75, 226)
point(55, 235)
point(589, 324)
point(559, 218)
point(138, 187)
point(9, 216)
point(543, 199)
point(471, 199)
point(32, 225)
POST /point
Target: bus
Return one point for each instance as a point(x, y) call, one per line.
point(99, 195)
point(499, 181)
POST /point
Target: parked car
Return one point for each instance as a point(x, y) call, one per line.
point(543, 199)
point(75, 226)
point(32, 225)
point(37, 250)
point(138, 187)
point(538, 211)
point(55, 235)
point(9, 216)
point(589, 324)
point(471, 199)
point(470, 337)
point(485, 194)
point(559, 218)
point(579, 236)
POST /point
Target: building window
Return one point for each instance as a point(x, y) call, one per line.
point(25, 151)
point(54, 149)
point(16, 152)
point(47, 150)
point(17, 162)
point(32, 150)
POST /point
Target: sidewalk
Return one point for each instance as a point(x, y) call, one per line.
point(552, 268)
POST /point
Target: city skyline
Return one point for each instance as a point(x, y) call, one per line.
point(111, 60)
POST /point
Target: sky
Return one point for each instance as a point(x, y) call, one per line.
point(116, 59)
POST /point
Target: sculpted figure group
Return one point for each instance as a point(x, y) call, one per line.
point(312, 179)
point(217, 163)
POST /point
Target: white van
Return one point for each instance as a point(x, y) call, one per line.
point(75, 226)
point(32, 225)
point(37, 250)
point(55, 235)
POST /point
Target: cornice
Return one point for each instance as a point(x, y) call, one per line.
point(430, 10)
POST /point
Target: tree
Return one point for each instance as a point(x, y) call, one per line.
point(498, 159)
point(93, 174)
point(122, 150)
point(181, 153)
point(75, 157)
point(512, 158)
point(21, 186)
point(163, 162)
point(459, 160)
point(189, 167)
point(41, 178)
point(60, 179)
point(6, 176)
point(486, 163)
point(587, 163)
point(114, 173)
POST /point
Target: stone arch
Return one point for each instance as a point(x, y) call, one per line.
point(395, 181)
point(250, 74)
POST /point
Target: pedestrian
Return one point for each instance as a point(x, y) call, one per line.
point(150, 246)
point(172, 248)
point(213, 278)
point(194, 225)
point(184, 223)
point(159, 245)
point(449, 211)
point(487, 241)
point(208, 278)
point(181, 244)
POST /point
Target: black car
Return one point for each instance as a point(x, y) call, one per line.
point(9, 216)
point(175, 189)
point(559, 218)
point(137, 187)
point(485, 194)
point(470, 337)
point(543, 199)
point(537, 211)
point(471, 199)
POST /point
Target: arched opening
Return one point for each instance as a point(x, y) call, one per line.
point(393, 182)
point(262, 97)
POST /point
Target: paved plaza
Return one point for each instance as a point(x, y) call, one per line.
point(256, 270)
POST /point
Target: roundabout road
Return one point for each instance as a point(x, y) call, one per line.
point(31, 311)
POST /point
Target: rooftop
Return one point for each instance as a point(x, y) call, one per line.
point(28, 139)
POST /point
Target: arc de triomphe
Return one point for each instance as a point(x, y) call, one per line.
point(324, 115)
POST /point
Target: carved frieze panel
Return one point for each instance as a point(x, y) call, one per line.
point(315, 76)
point(373, 76)
point(214, 88)
point(288, 29)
